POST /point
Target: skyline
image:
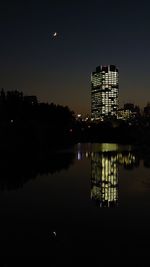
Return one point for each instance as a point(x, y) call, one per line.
point(88, 35)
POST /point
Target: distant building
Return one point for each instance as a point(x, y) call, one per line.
point(104, 92)
point(32, 100)
point(129, 106)
point(129, 111)
point(124, 114)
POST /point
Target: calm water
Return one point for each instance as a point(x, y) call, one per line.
point(90, 203)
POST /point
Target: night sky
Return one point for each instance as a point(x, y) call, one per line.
point(91, 33)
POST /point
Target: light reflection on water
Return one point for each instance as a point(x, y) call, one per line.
point(57, 203)
point(104, 179)
point(105, 160)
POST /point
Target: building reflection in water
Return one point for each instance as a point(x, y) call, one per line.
point(104, 176)
point(104, 179)
point(105, 171)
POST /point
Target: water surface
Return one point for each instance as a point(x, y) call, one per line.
point(88, 203)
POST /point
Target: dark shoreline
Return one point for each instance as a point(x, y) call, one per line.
point(33, 136)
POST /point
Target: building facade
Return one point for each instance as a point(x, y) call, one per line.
point(128, 112)
point(104, 92)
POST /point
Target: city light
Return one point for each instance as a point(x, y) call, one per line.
point(104, 92)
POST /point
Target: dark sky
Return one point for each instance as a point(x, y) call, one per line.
point(91, 33)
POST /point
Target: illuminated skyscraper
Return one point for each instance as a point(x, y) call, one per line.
point(104, 92)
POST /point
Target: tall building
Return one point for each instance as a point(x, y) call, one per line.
point(104, 92)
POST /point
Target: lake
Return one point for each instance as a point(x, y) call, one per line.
point(88, 203)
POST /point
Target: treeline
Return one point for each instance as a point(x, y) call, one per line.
point(136, 132)
point(15, 107)
point(27, 125)
point(24, 121)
